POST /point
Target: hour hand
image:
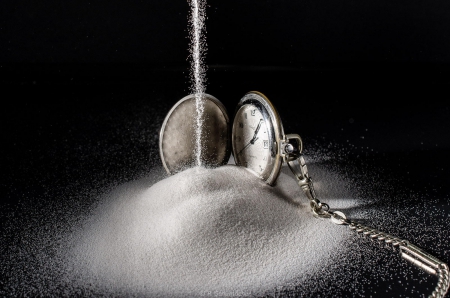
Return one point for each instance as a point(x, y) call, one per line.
point(257, 128)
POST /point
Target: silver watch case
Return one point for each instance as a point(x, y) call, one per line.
point(275, 131)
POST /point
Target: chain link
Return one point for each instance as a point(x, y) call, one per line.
point(408, 251)
point(411, 253)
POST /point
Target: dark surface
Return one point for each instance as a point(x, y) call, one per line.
point(85, 87)
point(276, 33)
point(71, 129)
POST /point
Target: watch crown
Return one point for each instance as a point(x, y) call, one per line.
point(288, 148)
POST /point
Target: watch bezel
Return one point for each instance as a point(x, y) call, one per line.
point(274, 126)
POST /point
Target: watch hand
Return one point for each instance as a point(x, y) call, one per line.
point(257, 128)
point(252, 141)
point(255, 137)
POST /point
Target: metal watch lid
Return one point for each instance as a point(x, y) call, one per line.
point(177, 144)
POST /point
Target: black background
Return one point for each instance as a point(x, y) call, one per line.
point(86, 85)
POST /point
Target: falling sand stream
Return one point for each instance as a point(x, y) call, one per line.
point(198, 68)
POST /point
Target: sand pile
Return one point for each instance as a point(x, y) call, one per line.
point(210, 232)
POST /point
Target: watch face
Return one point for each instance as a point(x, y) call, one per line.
point(255, 136)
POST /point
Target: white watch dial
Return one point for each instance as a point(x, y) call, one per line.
point(252, 141)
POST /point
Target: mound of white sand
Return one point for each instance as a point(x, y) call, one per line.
point(205, 232)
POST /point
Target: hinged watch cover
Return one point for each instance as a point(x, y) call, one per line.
point(177, 145)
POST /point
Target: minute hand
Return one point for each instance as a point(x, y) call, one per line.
point(249, 143)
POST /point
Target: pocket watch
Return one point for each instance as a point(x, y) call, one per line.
point(258, 139)
point(259, 144)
